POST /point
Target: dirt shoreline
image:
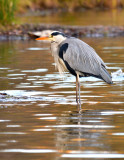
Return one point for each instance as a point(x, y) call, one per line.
point(21, 32)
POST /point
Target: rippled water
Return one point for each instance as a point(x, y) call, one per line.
point(38, 112)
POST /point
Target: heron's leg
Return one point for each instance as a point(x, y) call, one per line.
point(76, 90)
point(78, 82)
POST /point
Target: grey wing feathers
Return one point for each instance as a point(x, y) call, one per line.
point(83, 58)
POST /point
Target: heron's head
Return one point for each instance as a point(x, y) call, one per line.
point(55, 36)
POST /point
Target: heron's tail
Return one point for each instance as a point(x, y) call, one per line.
point(105, 75)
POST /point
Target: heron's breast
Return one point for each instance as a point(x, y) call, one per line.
point(61, 66)
point(59, 62)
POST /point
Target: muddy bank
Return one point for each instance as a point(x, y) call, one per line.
point(21, 32)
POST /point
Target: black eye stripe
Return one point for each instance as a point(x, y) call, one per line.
point(57, 33)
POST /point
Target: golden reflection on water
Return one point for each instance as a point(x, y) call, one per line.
point(86, 18)
point(38, 116)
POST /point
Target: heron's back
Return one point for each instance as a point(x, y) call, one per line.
point(80, 57)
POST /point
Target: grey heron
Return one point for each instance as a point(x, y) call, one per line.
point(73, 55)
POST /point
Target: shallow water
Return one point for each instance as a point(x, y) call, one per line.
point(86, 18)
point(38, 112)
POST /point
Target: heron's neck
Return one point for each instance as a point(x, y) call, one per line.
point(60, 40)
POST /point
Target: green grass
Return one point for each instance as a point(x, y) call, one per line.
point(7, 9)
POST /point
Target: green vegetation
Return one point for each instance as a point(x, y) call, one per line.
point(7, 9)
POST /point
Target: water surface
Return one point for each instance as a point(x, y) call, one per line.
point(85, 18)
point(38, 113)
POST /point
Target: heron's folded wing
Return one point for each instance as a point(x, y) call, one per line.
point(81, 57)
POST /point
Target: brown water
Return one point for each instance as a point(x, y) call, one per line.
point(38, 116)
point(89, 17)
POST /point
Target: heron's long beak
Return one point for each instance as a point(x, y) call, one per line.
point(43, 38)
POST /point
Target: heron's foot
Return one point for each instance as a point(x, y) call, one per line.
point(79, 107)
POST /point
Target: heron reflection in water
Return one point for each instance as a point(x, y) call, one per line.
point(77, 57)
